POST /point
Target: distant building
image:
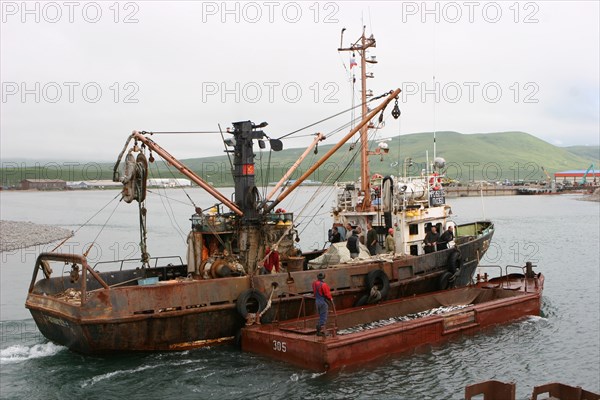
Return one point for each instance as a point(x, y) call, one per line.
point(169, 182)
point(577, 175)
point(100, 184)
point(43, 184)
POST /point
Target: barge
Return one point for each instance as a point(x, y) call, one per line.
point(363, 334)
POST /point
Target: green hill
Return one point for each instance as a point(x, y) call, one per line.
point(489, 156)
point(591, 152)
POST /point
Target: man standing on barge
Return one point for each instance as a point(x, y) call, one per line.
point(322, 294)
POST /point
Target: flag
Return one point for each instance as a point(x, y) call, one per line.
point(353, 62)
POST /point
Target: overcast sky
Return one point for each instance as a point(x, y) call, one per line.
point(78, 77)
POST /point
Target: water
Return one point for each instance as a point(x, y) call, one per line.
point(560, 234)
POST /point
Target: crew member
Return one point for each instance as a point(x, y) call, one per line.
point(446, 238)
point(271, 264)
point(371, 239)
point(353, 245)
point(431, 240)
point(322, 294)
point(335, 236)
point(390, 244)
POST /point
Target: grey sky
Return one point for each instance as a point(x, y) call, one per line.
point(278, 62)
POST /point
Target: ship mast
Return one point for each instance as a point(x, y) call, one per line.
point(361, 46)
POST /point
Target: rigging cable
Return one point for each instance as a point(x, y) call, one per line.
point(333, 116)
point(85, 223)
point(171, 215)
point(102, 228)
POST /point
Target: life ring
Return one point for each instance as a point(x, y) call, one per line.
point(444, 281)
point(253, 301)
point(455, 261)
point(435, 181)
point(378, 278)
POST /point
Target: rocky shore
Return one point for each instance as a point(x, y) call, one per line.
point(20, 234)
point(592, 197)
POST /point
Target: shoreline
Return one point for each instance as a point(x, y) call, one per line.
point(16, 235)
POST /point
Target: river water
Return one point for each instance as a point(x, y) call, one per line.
point(558, 233)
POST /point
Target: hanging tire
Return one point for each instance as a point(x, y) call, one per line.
point(455, 261)
point(378, 278)
point(252, 301)
point(444, 281)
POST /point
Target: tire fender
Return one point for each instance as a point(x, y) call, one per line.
point(378, 278)
point(251, 300)
point(455, 261)
point(444, 281)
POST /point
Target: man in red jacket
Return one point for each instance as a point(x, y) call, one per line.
point(322, 294)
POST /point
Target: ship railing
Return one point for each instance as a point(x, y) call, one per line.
point(504, 275)
point(523, 271)
point(302, 317)
point(151, 260)
point(489, 267)
point(41, 263)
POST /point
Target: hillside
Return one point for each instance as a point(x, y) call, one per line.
point(591, 152)
point(489, 156)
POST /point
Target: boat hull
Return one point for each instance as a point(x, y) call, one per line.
point(296, 343)
point(185, 313)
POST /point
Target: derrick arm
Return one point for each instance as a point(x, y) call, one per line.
point(180, 167)
point(331, 151)
point(289, 173)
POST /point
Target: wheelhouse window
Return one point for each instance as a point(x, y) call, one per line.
point(413, 229)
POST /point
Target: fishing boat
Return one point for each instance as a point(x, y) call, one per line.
point(362, 334)
point(166, 303)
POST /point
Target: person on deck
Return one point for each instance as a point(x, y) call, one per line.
point(361, 237)
point(390, 244)
point(371, 239)
point(271, 263)
point(431, 239)
point(322, 294)
point(353, 244)
point(446, 238)
point(335, 236)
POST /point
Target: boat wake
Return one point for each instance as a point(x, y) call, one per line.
point(18, 353)
point(535, 318)
point(295, 377)
point(108, 375)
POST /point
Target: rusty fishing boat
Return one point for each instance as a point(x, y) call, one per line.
point(361, 334)
point(166, 303)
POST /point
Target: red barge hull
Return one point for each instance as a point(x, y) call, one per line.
point(495, 302)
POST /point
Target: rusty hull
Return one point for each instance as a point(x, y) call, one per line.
point(295, 341)
point(181, 313)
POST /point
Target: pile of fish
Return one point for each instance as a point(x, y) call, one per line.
point(385, 322)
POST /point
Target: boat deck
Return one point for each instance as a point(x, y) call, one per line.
point(362, 334)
